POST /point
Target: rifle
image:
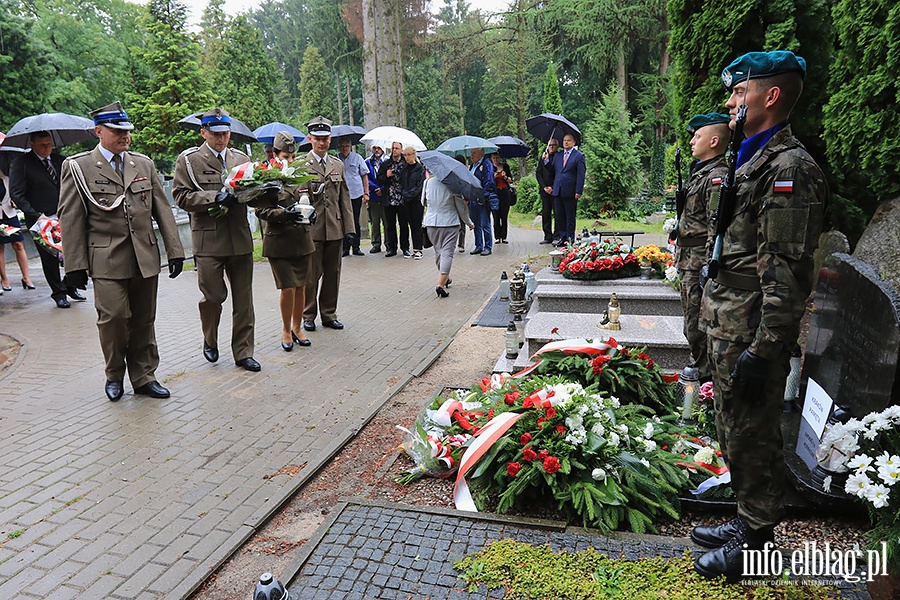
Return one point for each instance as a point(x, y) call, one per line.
point(728, 191)
point(680, 194)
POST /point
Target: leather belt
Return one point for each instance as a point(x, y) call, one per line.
point(691, 242)
point(749, 283)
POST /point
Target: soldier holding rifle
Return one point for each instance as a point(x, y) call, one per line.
point(753, 304)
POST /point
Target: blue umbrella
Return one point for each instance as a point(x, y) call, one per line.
point(267, 132)
point(547, 125)
point(452, 173)
point(510, 147)
point(464, 144)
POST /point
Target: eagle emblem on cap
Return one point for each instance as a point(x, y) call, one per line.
point(726, 78)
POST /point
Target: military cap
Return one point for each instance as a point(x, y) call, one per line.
point(754, 65)
point(320, 126)
point(700, 121)
point(215, 120)
point(112, 115)
point(284, 142)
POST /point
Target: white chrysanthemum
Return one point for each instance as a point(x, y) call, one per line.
point(887, 460)
point(680, 446)
point(890, 474)
point(613, 439)
point(870, 433)
point(878, 495)
point(649, 430)
point(623, 428)
point(857, 484)
point(575, 422)
point(826, 484)
point(705, 455)
point(671, 273)
point(645, 462)
point(869, 418)
point(614, 402)
point(861, 463)
point(576, 437)
point(649, 446)
point(892, 413)
point(598, 428)
point(598, 474)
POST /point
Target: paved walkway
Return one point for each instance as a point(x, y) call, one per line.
point(143, 498)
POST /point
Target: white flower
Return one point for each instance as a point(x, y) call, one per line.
point(671, 273)
point(861, 463)
point(885, 460)
point(871, 433)
point(857, 484)
point(576, 437)
point(680, 446)
point(574, 422)
point(598, 474)
point(881, 422)
point(645, 462)
point(705, 455)
point(870, 418)
point(669, 225)
point(623, 428)
point(613, 439)
point(878, 495)
point(598, 428)
point(614, 401)
point(890, 474)
point(892, 413)
point(826, 484)
point(648, 430)
point(649, 446)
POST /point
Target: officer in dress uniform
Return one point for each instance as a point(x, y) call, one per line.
point(709, 139)
point(220, 233)
point(108, 197)
point(751, 312)
point(331, 198)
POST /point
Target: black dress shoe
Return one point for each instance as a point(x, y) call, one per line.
point(300, 342)
point(390, 253)
point(73, 294)
point(309, 325)
point(441, 292)
point(345, 253)
point(546, 242)
point(209, 353)
point(152, 389)
point(729, 559)
point(333, 324)
point(248, 363)
point(477, 251)
point(375, 250)
point(62, 303)
point(358, 252)
point(114, 390)
point(717, 536)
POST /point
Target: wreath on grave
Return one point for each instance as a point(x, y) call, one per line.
point(592, 261)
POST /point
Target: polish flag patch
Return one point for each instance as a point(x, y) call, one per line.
point(716, 180)
point(784, 187)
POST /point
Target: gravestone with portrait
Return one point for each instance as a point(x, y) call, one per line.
point(850, 365)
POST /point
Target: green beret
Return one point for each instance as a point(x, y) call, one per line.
point(762, 64)
point(699, 121)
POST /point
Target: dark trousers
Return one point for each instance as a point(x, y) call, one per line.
point(415, 212)
point(565, 217)
point(547, 216)
point(501, 215)
point(392, 216)
point(356, 203)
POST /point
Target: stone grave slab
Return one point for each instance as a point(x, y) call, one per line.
point(593, 299)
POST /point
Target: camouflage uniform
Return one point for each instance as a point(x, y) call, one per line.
point(692, 252)
point(757, 302)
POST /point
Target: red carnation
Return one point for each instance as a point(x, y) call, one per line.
point(561, 430)
point(526, 437)
point(551, 465)
point(511, 398)
point(542, 455)
point(540, 422)
point(529, 454)
point(513, 468)
point(550, 412)
point(490, 414)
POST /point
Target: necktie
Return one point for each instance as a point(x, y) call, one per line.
point(322, 162)
point(117, 164)
point(565, 158)
point(51, 171)
point(222, 160)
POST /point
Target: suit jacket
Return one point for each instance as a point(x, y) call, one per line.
point(118, 243)
point(198, 178)
point(545, 173)
point(569, 179)
point(335, 212)
point(31, 187)
point(281, 238)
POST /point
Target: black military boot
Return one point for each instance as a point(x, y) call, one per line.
point(729, 559)
point(715, 537)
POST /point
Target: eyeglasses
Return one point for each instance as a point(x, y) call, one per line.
point(553, 145)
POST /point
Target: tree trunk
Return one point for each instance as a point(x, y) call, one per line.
point(383, 101)
point(622, 76)
point(337, 84)
point(462, 108)
point(520, 79)
point(661, 94)
point(349, 101)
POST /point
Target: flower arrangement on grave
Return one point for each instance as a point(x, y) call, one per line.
point(671, 278)
point(652, 256)
point(591, 261)
point(869, 449)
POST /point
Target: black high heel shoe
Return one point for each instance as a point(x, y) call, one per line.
point(287, 347)
point(6, 289)
point(24, 285)
point(441, 292)
point(300, 342)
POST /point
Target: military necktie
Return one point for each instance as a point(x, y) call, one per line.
point(120, 169)
point(222, 159)
point(51, 171)
point(322, 162)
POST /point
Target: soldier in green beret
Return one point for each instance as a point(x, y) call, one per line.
point(709, 139)
point(751, 312)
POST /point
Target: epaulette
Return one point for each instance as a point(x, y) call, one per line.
point(191, 150)
point(139, 155)
point(236, 151)
point(79, 155)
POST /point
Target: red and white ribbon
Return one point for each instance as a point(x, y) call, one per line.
point(574, 346)
point(239, 173)
point(484, 439)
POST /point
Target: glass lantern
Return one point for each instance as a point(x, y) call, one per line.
point(520, 329)
point(512, 340)
point(792, 385)
point(556, 257)
point(688, 391)
point(504, 286)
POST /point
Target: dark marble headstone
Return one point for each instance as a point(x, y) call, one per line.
point(880, 241)
point(851, 352)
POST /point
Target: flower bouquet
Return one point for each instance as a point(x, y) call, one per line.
point(432, 455)
point(46, 233)
point(652, 256)
point(591, 261)
point(250, 180)
point(8, 230)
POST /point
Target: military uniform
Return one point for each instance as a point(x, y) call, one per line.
point(756, 303)
point(223, 246)
point(106, 220)
point(334, 223)
point(692, 251)
point(288, 247)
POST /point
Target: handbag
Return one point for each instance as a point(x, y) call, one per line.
point(512, 195)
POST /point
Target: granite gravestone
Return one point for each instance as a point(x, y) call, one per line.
point(880, 241)
point(851, 356)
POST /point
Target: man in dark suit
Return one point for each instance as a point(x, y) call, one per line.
point(34, 187)
point(568, 185)
point(545, 175)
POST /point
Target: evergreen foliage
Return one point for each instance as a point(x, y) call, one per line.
point(316, 96)
point(613, 163)
point(552, 101)
point(432, 108)
point(25, 64)
point(657, 169)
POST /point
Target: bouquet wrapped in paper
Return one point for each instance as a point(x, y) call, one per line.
point(433, 455)
point(46, 232)
point(250, 180)
point(8, 230)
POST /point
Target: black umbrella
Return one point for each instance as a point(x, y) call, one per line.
point(452, 173)
point(510, 147)
point(239, 131)
point(8, 154)
point(547, 125)
point(63, 128)
point(352, 132)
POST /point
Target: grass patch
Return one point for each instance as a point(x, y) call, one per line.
point(14, 534)
point(526, 571)
point(524, 220)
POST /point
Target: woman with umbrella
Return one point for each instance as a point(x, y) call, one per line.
point(502, 181)
point(446, 212)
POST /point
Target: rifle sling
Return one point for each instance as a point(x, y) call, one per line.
point(749, 283)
